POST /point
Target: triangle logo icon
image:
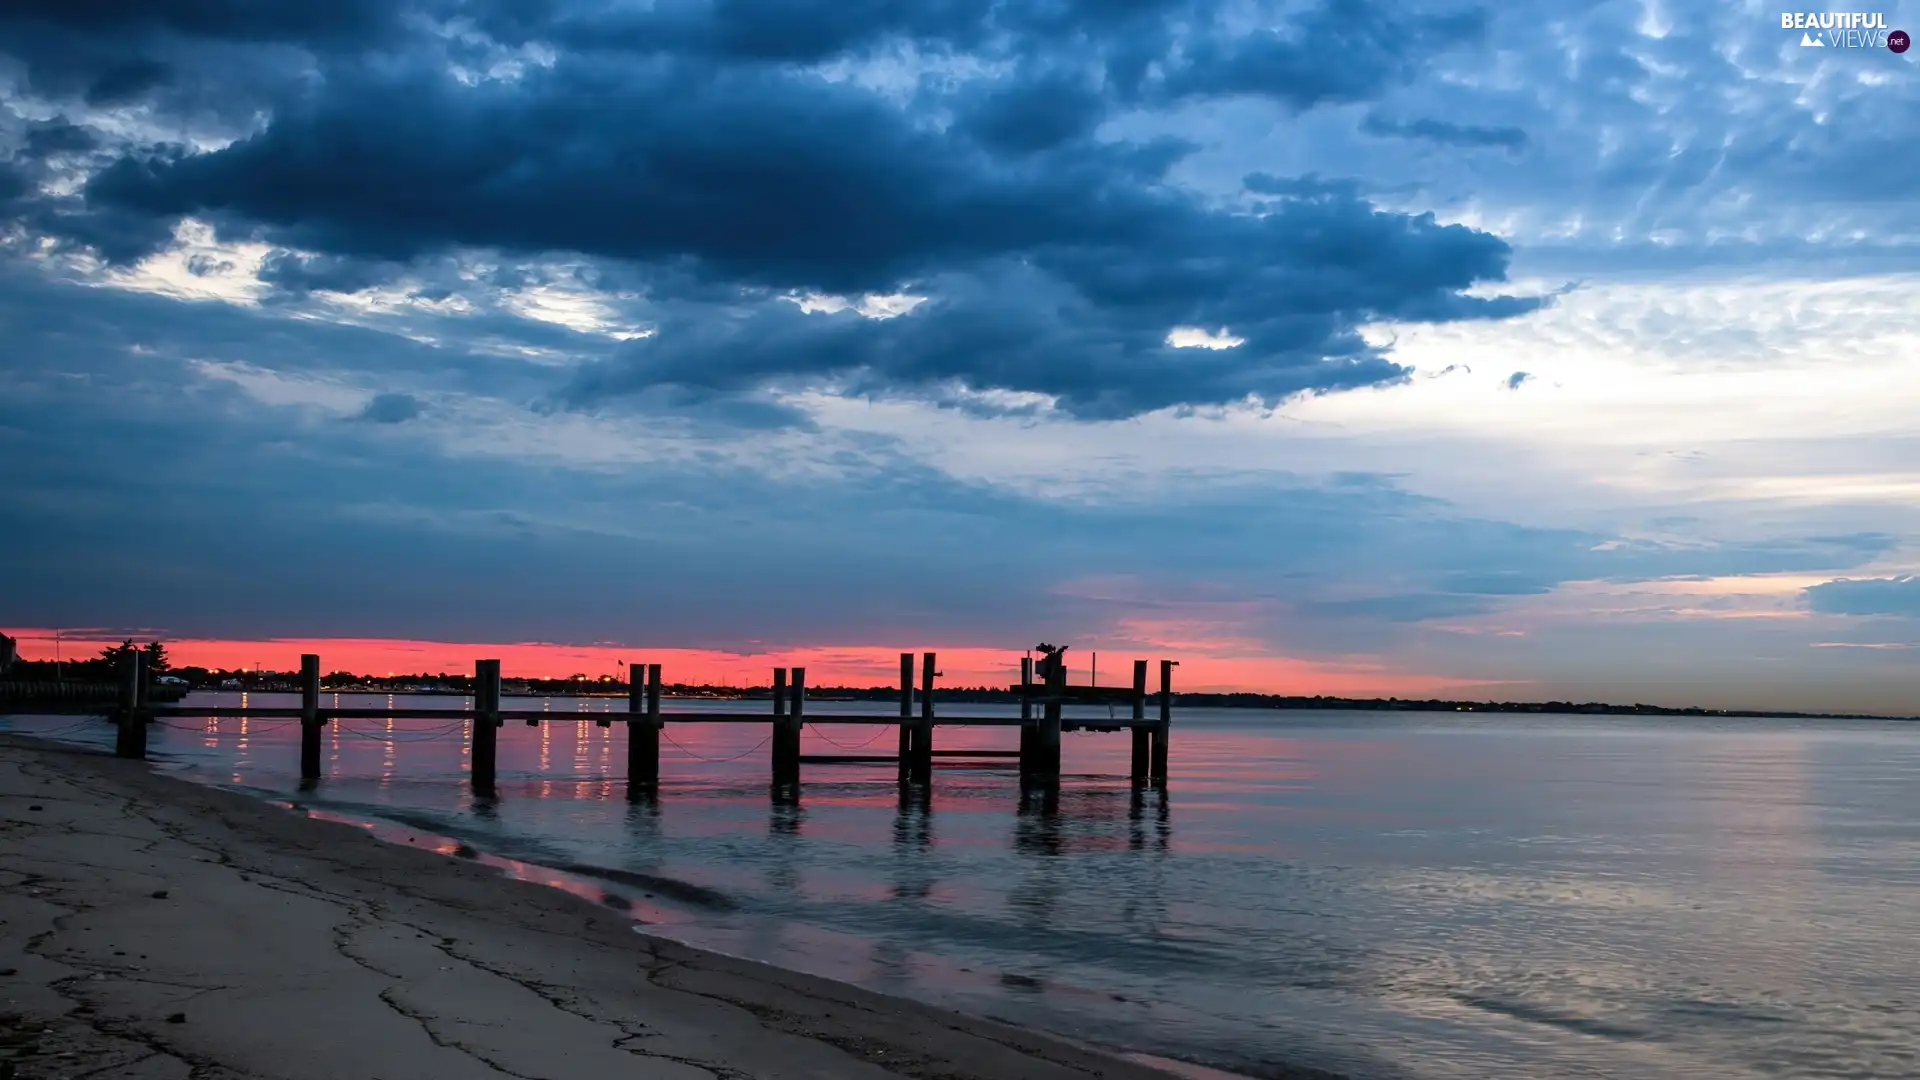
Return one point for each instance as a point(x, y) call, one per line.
point(1808, 41)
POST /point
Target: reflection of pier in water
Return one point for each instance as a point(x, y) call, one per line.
point(1051, 824)
point(1043, 693)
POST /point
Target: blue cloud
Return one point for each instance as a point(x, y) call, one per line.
point(1867, 596)
point(693, 146)
point(1444, 132)
point(391, 409)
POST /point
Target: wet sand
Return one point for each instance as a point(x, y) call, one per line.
point(153, 929)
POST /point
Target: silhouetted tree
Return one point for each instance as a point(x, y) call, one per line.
point(110, 656)
point(157, 658)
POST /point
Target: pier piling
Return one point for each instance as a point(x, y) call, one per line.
point(1142, 765)
point(906, 718)
point(923, 733)
point(130, 739)
point(310, 723)
point(486, 725)
point(1048, 738)
point(643, 739)
point(1157, 774)
point(786, 730)
point(1029, 734)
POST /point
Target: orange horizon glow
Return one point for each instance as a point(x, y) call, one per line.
point(827, 665)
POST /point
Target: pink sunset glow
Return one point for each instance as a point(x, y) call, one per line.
point(827, 665)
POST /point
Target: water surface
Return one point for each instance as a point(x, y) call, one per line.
point(1380, 895)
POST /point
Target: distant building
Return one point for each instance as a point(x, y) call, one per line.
point(9, 652)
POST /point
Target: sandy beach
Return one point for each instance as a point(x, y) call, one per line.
point(151, 929)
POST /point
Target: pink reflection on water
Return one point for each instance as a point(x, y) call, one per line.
point(534, 873)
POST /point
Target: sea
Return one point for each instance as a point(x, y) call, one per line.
point(1369, 895)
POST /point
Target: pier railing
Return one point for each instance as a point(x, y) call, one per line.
point(1043, 694)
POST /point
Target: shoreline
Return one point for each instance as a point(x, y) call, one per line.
point(602, 886)
point(272, 920)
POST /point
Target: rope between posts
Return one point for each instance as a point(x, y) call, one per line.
point(453, 726)
point(433, 735)
point(68, 730)
point(851, 746)
point(716, 761)
point(229, 734)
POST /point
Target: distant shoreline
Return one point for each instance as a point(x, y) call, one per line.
point(184, 679)
point(1193, 699)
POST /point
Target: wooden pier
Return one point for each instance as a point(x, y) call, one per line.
point(1043, 694)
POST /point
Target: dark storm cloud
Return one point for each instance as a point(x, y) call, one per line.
point(1444, 132)
point(13, 183)
point(47, 138)
point(1342, 51)
point(1310, 186)
point(1033, 115)
point(118, 235)
point(296, 273)
point(391, 409)
point(239, 20)
point(1019, 331)
point(771, 181)
point(779, 30)
point(686, 152)
point(1867, 596)
point(127, 81)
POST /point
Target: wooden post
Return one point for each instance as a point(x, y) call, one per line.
point(1029, 737)
point(906, 717)
point(786, 738)
point(1158, 771)
point(653, 696)
point(130, 739)
point(1142, 764)
point(1048, 751)
point(486, 725)
point(783, 768)
point(923, 732)
point(309, 717)
point(643, 739)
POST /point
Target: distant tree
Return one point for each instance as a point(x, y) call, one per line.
point(157, 658)
point(112, 653)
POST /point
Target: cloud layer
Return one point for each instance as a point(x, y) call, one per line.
point(1519, 343)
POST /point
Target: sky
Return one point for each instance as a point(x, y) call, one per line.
point(1525, 351)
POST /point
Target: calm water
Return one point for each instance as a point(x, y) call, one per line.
point(1383, 895)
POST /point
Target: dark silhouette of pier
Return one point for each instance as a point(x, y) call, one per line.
point(1043, 693)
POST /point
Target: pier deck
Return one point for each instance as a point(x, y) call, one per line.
point(1043, 692)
